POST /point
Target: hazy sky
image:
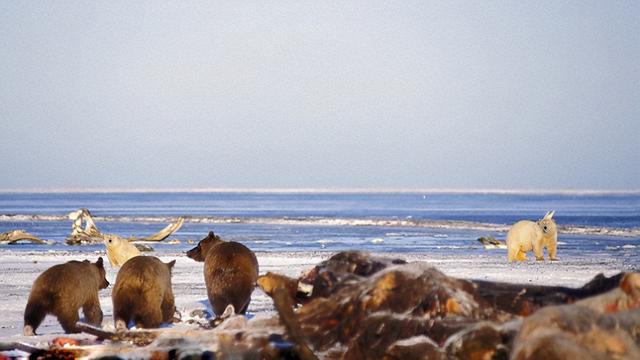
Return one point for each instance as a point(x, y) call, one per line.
point(259, 94)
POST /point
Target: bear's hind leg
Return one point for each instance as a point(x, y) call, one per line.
point(512, 253)
point(122, 312)
point(150, 319)
point(68, 319)
point(149, 315)
point(33, 316)
point(92, 312)
point(220, 304)
point(168, 309)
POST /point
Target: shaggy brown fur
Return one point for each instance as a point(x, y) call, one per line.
point(230, 272)
point(143, 294)
point(63, 289)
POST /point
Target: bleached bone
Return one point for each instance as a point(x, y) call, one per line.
point(14, 236)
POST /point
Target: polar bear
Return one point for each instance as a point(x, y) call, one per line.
point(528, 235)
point(119, 250)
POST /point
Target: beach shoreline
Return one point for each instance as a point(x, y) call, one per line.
point(22, 268)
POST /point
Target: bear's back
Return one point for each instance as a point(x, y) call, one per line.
point(232, 257)
point(66, 282)
point(523, 234)
point(523, 227)
point(143, 272)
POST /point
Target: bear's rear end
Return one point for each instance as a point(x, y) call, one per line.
point(230, 271)
point(143, 293)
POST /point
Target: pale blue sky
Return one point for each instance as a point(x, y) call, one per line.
point(258, 94)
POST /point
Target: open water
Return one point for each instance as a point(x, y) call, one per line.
point(589, 224)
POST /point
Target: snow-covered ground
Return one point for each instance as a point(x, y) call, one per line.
point(18, 270)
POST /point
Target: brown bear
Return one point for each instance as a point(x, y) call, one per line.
point(143, 294)
point(230, 272)
point(63, 289)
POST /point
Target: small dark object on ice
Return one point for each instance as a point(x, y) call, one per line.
point(143, 247)
point(489, 242)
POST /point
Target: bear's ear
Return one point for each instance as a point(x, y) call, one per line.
point(211, 234)
point(87, 261)
point(549, 215)
point(100, 262)
point(170, 264)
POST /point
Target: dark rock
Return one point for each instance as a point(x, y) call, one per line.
point(143, 247)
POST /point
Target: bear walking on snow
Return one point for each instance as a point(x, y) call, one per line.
point(230, 272)
point(528, 235)
point(62, 290)
point(143, 294)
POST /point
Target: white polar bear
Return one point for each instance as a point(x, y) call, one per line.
point(528, 235)
point(119, 250)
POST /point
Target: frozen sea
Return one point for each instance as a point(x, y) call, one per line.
point(292, 231)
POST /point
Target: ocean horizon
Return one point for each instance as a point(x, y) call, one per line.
point(403, 222)
point(330, 190)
